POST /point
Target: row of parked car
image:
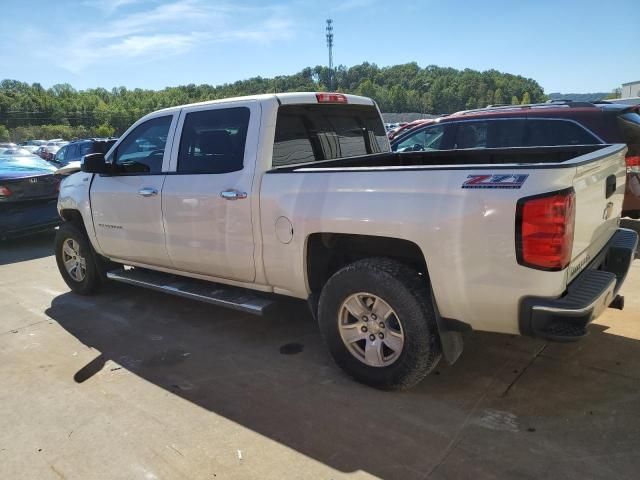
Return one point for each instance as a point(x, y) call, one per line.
point(524, 126)
point(30, 176)
point(45, 149)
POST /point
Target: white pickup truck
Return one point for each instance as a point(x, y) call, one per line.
point(237, 201)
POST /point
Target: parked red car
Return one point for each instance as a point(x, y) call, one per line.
point(545, 124)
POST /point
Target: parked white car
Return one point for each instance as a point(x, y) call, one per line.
point(298, 194)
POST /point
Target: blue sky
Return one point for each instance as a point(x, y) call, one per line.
point(567, 46)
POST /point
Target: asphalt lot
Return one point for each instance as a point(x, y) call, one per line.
point(132, 384)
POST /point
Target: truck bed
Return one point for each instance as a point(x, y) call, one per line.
point(466, 233)
point(529, 156)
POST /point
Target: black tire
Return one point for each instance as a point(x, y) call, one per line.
point(409, 295)
point(93, 277)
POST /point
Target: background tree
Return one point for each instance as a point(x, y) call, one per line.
point(615, 93)
point(398, 88)
point(4, 134)
point(104, 130)
point(526, 98)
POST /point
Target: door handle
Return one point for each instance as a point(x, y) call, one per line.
point(147, 192)
point(233, 195)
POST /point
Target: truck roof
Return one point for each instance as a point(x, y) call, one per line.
point(282, 98)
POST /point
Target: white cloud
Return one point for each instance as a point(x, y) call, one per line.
point(167, 29)
point(109, 6)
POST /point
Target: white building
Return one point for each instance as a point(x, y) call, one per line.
point(631, 89)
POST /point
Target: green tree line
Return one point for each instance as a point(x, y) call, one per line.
point(30, 110)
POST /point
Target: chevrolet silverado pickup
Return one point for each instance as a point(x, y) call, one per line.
point(237, 201)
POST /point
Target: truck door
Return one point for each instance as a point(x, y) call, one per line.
point(207, 197)
point(126, 205)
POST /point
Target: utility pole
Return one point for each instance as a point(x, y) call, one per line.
point(330, 46)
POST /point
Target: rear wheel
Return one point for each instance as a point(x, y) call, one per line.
point(76, 260)
point(378, 321)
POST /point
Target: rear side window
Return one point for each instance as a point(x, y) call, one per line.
point(308, 133)
point(471, 135)
point(542, 133)
point(213, 141)
point(506, 133)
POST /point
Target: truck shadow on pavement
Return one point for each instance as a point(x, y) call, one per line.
point(510, 408)
point(23, 249)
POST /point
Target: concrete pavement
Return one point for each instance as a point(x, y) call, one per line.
point(134, 384)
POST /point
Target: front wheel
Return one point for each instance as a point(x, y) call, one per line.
point(378, 321)
point(76, 260)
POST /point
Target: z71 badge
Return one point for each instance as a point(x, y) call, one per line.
point(502, 180)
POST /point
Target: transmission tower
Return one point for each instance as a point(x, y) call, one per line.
point(330, 47)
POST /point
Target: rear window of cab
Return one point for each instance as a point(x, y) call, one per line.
point(310, 133)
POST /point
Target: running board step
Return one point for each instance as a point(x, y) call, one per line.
point(214, 293)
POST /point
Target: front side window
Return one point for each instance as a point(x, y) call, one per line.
point(213, 141)
point(309, 133)
point(142, 150)
point(471, 135)
point(549, 133)
point(60, 156)
point(429, 138)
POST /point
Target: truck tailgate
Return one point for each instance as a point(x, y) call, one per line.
point(599, 187)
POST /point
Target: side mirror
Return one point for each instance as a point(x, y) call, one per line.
point(95, 163)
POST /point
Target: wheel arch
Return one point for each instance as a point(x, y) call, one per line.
point(74, 217)
point(326, 253)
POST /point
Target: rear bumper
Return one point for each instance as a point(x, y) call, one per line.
point(588, 295)
point(23, 218)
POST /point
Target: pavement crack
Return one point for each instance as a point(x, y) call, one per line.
point(175, 450)
point(16, 330)
point(522, 372)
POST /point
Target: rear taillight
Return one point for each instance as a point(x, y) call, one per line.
point(633, 163)
point(5, 192)
point(331, 98)
point(544, 230)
